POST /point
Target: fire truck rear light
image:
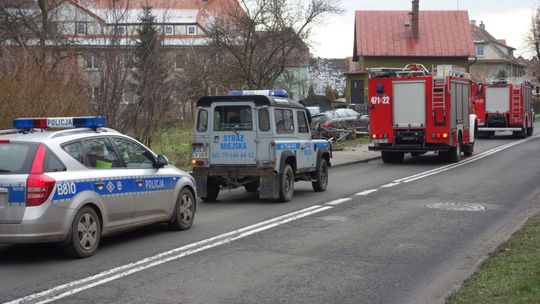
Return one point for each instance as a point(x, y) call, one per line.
point(374, 136)
point(438, 135)
point(445, 135)
point(385, 135)
point(380, 136)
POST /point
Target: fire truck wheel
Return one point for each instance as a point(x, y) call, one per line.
point(468, 149)
point(321, 177)
point(454, 154)
point(212, 190)
point(530, 130)
point(286, 184)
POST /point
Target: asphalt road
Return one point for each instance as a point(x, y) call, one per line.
point(403, 233)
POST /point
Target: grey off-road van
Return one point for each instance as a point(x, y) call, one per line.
point(259, 140)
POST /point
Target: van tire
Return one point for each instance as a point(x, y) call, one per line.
point(286, 184)
point(321, 177)
point(212, 190)
point(84, 235)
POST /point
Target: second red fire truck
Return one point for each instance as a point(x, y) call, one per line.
point(504, 105)
point(415, 111)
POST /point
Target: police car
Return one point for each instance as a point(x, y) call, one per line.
point(259, 140)
point(75, 185)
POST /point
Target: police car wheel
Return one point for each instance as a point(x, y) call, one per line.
point(286, 184)
point(83, 239)
point(184, 211)
point(321, 177)
point(212, 190)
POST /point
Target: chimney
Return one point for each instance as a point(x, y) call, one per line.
point(415, 17)
point(482, 26)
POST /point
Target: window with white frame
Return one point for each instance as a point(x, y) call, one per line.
point(81, 28)
point(192, 30)
point(168, 29)
point(480, 50)
point(93, 61)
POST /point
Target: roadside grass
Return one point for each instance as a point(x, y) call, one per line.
point(176, 145)
point(360, 140)
point(510, 275)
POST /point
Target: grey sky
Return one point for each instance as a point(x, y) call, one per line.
point(508, 20)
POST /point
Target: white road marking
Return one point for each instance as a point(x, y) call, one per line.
point(338, 201)
point(187, 248)
point(392, 184)
point(366, 192)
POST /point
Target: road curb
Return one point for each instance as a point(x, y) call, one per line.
point(355, 162)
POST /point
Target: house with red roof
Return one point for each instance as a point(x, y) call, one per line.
point(396, 38)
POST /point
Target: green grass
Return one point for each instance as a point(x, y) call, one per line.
point(176, 145)
point(510, 275)
point(360, 140)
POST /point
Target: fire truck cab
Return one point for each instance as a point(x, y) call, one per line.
point(415, 111)
point(505, 105)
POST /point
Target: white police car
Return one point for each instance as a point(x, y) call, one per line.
point(259, 140)
point(75, 185)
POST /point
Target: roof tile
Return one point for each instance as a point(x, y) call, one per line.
point(441, 34)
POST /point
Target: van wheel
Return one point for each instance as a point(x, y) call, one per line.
point(252, 187)
point(184, 211)
point(286, 184)
point(212, 190)
point(85, 233)
point(321, 177)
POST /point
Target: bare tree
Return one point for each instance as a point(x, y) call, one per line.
point(261, 37)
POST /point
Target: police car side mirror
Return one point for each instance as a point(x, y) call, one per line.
point(162, 161)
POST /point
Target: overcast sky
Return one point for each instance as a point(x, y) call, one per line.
point(504, 19)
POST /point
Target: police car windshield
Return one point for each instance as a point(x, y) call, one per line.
point(16, 158)
point(228, 118)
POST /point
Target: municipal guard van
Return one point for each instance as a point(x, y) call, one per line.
point(259, 140)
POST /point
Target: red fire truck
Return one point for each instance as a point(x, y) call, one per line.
point(505, 105)
point(415, 111)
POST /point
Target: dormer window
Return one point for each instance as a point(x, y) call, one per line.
point(480, 50)
point(192, 30)
point(80, 28)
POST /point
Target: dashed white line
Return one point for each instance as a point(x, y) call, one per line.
point(338, 201)
point(366, 192)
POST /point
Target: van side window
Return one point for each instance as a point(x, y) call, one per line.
point(264, 120)
point(302, 123)
point(202, 121)
point(284, 121)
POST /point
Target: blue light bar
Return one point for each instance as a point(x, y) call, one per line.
point(274, 93)
point(59, 122)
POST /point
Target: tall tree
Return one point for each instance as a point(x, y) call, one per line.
point(260, 37)
point(151, 78)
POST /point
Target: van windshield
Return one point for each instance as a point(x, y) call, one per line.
point(16, 158)
point(228, 118)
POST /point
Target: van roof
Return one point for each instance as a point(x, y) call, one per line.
point(259, 100)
